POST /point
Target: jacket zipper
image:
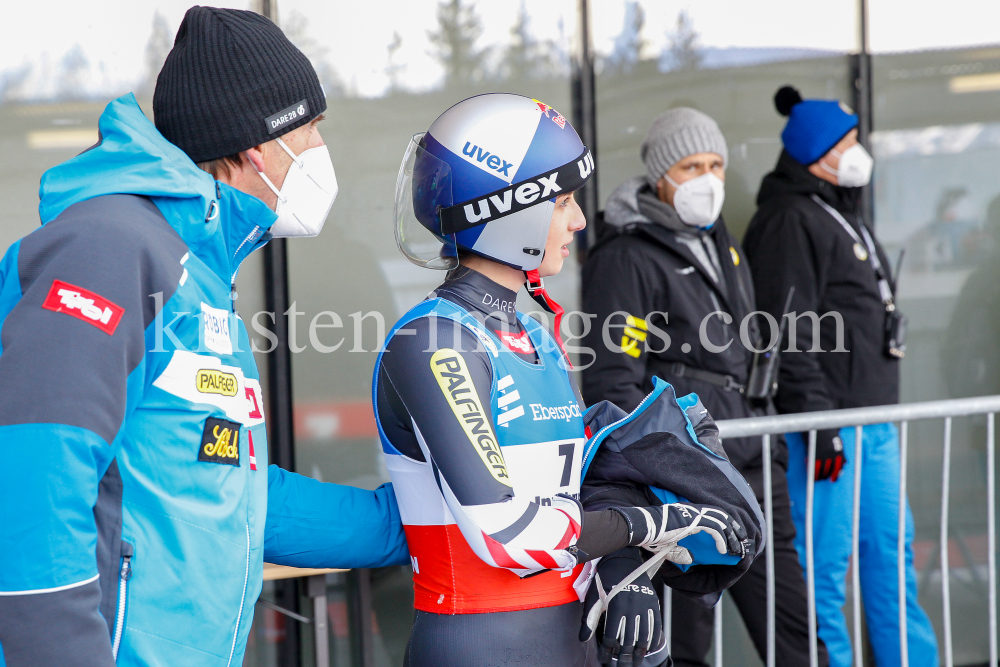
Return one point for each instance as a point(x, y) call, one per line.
point(232, 280)
point(124, 575)
point(612, 425)
point(239, 616)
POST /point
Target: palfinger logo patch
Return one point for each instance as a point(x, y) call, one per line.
point(453, 377)
point(83, 305)
point(210, 381)
point(220, 442)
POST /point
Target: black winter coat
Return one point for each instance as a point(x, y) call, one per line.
point(645, 270)
point(792, 240)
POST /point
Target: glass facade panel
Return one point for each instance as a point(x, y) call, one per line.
point(937, 148)
point(653, 57)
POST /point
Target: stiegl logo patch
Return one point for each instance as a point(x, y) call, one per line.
point(220, 442)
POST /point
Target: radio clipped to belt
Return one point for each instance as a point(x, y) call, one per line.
point(763, 383)
point(895, 321)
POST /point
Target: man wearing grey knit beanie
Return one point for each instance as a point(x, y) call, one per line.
point(672, 293)
point(138, 506)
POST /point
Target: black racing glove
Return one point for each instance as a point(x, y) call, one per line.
point(631, 624)
point(830, 457)
point(662, 527)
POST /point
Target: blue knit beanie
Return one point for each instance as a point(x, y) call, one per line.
point(814, 126)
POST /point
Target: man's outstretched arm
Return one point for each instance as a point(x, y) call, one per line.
point(317, 524)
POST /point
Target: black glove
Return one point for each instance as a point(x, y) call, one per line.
point(829, 453)
point(631, 624)
point(661, 527)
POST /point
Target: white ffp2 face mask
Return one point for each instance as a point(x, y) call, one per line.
point(854, 169)
point(698, 202)
point(306, 195)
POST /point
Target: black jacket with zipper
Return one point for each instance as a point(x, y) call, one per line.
point(792, 240)
point(643, 266)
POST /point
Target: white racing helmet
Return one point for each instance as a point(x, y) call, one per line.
point(484, 178)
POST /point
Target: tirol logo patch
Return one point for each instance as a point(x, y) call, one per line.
point(516, 343)
point(83, 305)
point(215, 324)
point(210, 381)
point(287, 116)
point(220, 442)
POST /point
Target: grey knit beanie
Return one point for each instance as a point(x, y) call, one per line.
point(675, 135)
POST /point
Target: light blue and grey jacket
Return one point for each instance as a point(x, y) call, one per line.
point(136, 505)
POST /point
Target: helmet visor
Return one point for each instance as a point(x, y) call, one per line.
point(423, 188)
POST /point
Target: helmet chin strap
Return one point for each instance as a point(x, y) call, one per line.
point(536, 289)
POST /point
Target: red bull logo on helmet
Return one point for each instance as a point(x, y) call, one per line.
point(558, 118)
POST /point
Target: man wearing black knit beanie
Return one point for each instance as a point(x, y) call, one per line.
point(137, 506)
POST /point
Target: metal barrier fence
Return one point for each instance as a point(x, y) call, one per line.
point(858, 417)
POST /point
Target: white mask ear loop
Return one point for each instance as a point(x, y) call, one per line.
point(837, 154)
point(267, 181)
point(295, 158)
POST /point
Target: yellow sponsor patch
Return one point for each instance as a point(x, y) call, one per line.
point(220, 442)
point(453, 377)
point(209, 381)
point(635, 333)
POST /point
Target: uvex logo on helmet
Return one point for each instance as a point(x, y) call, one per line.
point(525, 194)
point(517, 197)
point(494, 162)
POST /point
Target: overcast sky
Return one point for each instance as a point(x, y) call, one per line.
point(113, 33)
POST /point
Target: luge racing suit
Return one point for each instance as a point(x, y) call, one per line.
point(483, 437)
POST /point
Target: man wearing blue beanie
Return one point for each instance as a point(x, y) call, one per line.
point(808, 233)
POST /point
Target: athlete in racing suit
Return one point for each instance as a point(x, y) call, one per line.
point(479, 419)
point(543, 611)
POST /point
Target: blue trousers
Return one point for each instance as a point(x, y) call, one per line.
point(832, 514)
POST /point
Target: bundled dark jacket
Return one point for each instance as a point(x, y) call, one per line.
point(667, 451)
point(649, 265)
point(792, 240)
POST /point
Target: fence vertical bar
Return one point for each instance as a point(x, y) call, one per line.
point(718, 633)
point(668, 618)
point(904, 645)
point(855, 548)
point(769, 548)
point(810, 564)
point(949, 659)
point(991, 552)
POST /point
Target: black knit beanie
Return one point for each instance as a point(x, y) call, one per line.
point(232, 81)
